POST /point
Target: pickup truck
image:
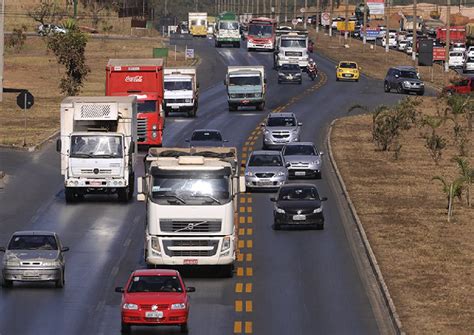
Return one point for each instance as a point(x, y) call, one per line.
point(463, 86)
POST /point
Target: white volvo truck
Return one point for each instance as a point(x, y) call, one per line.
point(181, 90)
point(191, 204)
point(98, 145)
point(292, 47)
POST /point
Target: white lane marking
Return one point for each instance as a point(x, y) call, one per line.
point(114, 271)
point(127, 242)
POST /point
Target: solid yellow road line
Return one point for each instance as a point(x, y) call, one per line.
point(248, 327)
point(238, 306)
point(237, 327)
point(239, 288)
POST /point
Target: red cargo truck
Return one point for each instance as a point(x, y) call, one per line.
point(142, 78)
point(457, 34)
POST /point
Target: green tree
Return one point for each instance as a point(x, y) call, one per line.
point(46, 12)
point(452, 190)
point(467, 175)
point(69, 50)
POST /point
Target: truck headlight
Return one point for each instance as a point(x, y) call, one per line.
point(279, 210)
point(225, 243)
point(178, 306)
point(130, 306)
point(154, 134)
point(154, 127)
point(318, 210)
point(188, 100)
point(155, 244)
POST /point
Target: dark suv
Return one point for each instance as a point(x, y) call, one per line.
point(404, 79)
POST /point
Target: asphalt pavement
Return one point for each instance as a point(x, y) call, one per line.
point(302, 282)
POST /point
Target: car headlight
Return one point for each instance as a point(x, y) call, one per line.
point(406, 83)
point(316, 162)
point(281, 173)
point(422, 84)
point(281, 74)
point(130, 306)
point(267, 132)
point(279, 210)
point(340, 70)
point(225, 243)
point(12, 262)
point(178, 306)
point(154, 127)
point(248, 174)
point(155, 244)
point(188, 100)
point(297, 74)
point(50, 263)
point(318, 210)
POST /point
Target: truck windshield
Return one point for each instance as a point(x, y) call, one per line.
point(241, 81)
point(193, 189)
point(146, 106)
point(260, 30)
point(96, 146)
point(178, 85)
point(198, 22)
point(293, 43)
point(228, 25)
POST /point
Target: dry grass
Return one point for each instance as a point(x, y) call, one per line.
point(427, 263)
point(374, 62)
point(36, 70)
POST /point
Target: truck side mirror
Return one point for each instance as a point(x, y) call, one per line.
point(140, 188)
point(58, 145)
point(242, 184)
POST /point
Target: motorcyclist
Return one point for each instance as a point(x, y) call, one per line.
point(312, 66)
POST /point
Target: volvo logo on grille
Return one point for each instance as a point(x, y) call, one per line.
point(154, 307)
point(96, 171)
point(190, 226)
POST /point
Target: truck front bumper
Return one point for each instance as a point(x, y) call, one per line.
point(302, 63)
point(177, 107)
point(99, 183)
point(245, 101)
point(261, 46)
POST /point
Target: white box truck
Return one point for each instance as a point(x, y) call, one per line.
point(191, 206)
point(98, 145)
point(181, 90)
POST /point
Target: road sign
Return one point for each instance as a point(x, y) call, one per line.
point(189, 53)
point(325, 21)
point(25, 100)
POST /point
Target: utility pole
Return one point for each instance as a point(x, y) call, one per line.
point(415, 26)
point(387, 37)
point(317, 15)
point(448, 38)
point(2, 46)
point(330, 17)
point(294, 9)
point(305, 14)
point(264, 7)
point(364, 30)
point(258, 7)
point(346, 20)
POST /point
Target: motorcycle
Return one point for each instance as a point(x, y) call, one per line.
point(312, 72)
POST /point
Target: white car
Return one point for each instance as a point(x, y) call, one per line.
point(468, 65)
point(456, 59)
point(409, 48)
point(402, 45)
point(461, 47)
point(47, 29)
point(470, 52)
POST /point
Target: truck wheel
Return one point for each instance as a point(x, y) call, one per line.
point(184, 328)
point(232, 108)
point(261, 106)
point(123, 194)
point(70, 195)
point(386, 87)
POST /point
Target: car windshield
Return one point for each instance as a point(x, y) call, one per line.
point(409, 74)
point(244, 80)
point(197, 188)
point(347, 65)
point(265, 160)
point(281, 122)
point(298, 193)
point(155, 284)
point(260, 30)
point(291, 67)
point(229, 25)
point(96, 146)
point(146, 106)
point(305, 150)
point(178, 85)
point(33, 242)
point(206, 136)
point(293, 43)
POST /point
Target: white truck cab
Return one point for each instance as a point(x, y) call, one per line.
point(292, 47)
point(181, 91)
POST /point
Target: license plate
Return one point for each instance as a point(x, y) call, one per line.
point(245, 101)
point(299, 217)
point(174, 107)
point(154, 315)
point(31, 273)
point(300, 173)
point(347, 75)
point(192, 261)
point(265, 183)
point(96, 183)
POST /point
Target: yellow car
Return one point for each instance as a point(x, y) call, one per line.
point(347, 71)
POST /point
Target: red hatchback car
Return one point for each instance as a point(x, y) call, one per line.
point(155, 297)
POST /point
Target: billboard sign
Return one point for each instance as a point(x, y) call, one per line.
point(376, 7)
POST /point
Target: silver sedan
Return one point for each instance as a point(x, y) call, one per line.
point(34, 256)
point(265, 170)
point(303, 160)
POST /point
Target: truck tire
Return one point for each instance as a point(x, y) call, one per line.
point(70, 195)
point(123, 194)
point(237, 45)
point(261, 106)
point(232, 108)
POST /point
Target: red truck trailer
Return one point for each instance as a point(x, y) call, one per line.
point(142, 78)
point(457, 34)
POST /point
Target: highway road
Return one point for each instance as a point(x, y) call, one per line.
point(286, 282)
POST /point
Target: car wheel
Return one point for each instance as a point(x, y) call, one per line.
point(276, 226)
point(184, 328)
point(7, 283)
point(123, 194)
point(337, 79)
point(300, 82)
point(60, 282)
point(125, 328)
point(232, 108)
point(318, 175)
point(386, 87)
point(400, 89)
point(320, 226)
point(279, 81)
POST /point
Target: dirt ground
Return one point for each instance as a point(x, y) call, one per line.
point(37, 70)
point(373, 60)
point(426, 261)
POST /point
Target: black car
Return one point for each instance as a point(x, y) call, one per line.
point(206, 138)
point(404, 79)
point(290, 73)
point(298, 205)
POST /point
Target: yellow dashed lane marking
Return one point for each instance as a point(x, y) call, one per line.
point(239, 287)
point(248, 257)
point(240, 271)
point(248, 288)
point(240, 257)
point(249, 231)
point(238, 306)
point(249, 209)
point(241, 231)
point(248, 306)
point(248, 327)
point(242, 219)
point(241, 244)
point(242, 209)
point(249, 219)
point(249, 244)
point(249, 272)
point(238, 327)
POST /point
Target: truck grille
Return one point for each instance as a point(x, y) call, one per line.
point(293, 53)
point(141, 129)
point(99, 171)
point(195, 226)
point(208, 248)
point(175, 101)
point(244, 95)
point(264, 175)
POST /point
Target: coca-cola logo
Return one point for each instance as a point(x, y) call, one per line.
point(134, 79)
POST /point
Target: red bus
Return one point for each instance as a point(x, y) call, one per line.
point(261, 34)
